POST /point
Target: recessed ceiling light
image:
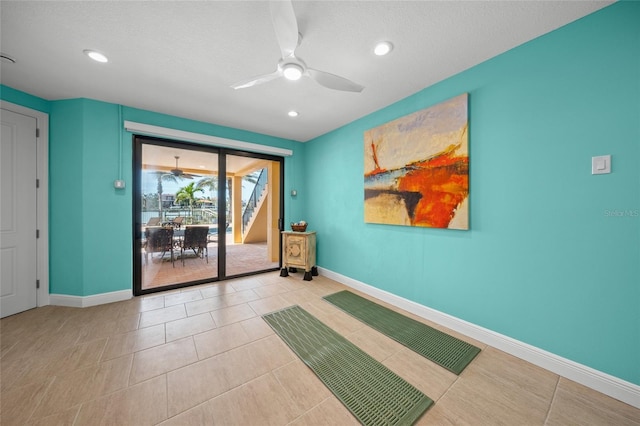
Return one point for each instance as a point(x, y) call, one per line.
point(383, 48)
point(292, 71)
point(293, 113)
point(96, 56)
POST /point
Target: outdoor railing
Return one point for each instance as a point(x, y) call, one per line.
point(200, 215)
point(252, 203)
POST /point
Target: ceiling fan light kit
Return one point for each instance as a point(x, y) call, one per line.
point(292, 71)
point(291, 67)
point(179, 173)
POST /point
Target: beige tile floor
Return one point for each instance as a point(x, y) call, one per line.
point(204, 356)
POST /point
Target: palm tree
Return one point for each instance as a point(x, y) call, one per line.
point(210, 183)
point(188, 193)
point(163, 176)
point(253, 177)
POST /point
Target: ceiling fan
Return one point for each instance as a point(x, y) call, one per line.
point(179, 173)
point(290, 66)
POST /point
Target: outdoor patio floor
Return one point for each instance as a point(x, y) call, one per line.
point(240, 259)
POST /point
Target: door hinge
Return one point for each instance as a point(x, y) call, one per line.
point(37, 233)
point(37, 183)
point(37, 283)
point(37, 133)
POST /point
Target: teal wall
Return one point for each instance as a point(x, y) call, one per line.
point(107, 212)
point(545, 260)
point(90, 229)
point(17, 97)
point(66, 198)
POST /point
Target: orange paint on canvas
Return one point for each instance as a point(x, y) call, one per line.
point(443, 182)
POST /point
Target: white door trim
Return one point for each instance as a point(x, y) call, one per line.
point(42, 141)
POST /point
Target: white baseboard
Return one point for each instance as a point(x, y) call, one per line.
point(602, 382)
point(86, 301)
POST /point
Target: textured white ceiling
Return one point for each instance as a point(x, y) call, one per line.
point(179, 57)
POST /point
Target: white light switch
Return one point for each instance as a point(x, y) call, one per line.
point(601, 165)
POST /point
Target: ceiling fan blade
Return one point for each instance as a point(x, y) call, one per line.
point(333, 81)
point(285, 26)
point(254, 81)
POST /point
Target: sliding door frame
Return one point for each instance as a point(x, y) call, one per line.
point(138, 142)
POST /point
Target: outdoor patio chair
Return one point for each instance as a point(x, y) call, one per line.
point(154, 221)
point(159, 240)
point(195, 238)
point(177, 222)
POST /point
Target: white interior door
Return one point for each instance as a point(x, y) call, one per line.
point(18, 215)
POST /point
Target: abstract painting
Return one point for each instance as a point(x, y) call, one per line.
point(416, 168)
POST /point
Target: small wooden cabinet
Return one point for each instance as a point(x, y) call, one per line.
point(299, 251)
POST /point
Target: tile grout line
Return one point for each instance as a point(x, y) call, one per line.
point(447, 391)
point(104, 348)
point(212, 398)
point(35, 409)
point(331, 395)
point(166, 388)
point(291, 400)
point(75, 418)
point(133, 361)
point(553, 399)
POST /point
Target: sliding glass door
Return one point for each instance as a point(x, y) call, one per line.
point(253, 191)
point(202, 214)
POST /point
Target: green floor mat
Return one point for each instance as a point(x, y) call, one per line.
point(435, 345)
point(373, 393)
